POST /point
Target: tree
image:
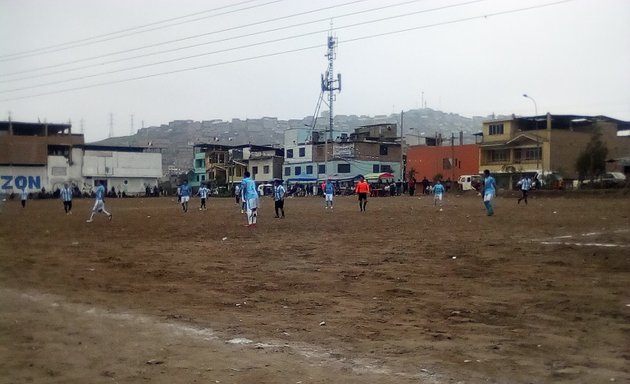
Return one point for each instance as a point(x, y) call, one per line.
point(591, 162)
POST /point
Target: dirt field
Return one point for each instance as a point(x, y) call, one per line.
point(402, 293)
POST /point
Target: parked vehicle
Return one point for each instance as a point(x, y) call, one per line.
point(607, 180)
point(469, 182)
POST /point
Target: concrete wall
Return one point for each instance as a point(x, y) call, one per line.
point(122, 164)
point(429, 160)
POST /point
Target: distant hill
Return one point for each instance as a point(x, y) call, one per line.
point(177, 137)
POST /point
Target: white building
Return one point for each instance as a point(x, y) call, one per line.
point(36, 156)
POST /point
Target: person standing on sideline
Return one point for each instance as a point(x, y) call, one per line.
point(488, 191)
point(66, 197)
point(526, 184)
point(412, 186)
point(278, 197)
point(203, 193)
point(438, 194)
point(185, 193)
point(99, 204)
point(329, 192)
point(250, 198)
point(23, 197)
point(362, 189)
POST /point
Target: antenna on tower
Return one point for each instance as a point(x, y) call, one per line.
point(328, 85)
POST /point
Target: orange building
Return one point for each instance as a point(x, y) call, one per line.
point(449, 161)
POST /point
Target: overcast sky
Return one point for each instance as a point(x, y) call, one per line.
point(468, 57)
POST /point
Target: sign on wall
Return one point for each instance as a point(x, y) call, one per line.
point(20, 182)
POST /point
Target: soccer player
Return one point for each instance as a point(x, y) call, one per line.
point(203, 193)
point(99, 204)
point(278, 197)
point(185, 193)
point(526, 184)
point(329, 191)
point(488, 191)
point(438, 193)
point(66, 197)
point(250, 198)
point(23, 197)
point(362, 189)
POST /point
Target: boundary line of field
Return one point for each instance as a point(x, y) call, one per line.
point(330, 357)
point(564, 240)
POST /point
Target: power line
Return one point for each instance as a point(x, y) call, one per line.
point(290, 51)
point(86, 41)
point(235, 48)
point(200, 44)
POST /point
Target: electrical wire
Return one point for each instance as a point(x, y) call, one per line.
point(500, 13)
point(199, 44)
point(86, 41)
point(234, 48)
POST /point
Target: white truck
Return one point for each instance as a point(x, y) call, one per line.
point(469, 182)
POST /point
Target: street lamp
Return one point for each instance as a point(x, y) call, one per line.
point(532, 99)
point(539, 154)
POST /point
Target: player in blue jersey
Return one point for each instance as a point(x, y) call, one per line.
point(329, 192)
point(488, 191)
point(66, 197)
point(185, 192)
point(438, 193)
point(526, 184)
point(250, 197)
point(203, 193)
point(99, 204)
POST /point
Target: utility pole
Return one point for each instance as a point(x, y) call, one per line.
point(452, 156)
point(81, 125)
point(328, 85)
point(111, 125)
point(131, 132)
point(402, 144)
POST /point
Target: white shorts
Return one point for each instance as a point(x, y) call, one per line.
point(185, 199)
point(252, 204)
point(488, 196)
point(329, 197)
point(438, 196)
point(99, 205)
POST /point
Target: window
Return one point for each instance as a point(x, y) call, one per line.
point(386, 168)
point(446, 163)
point(302, 152)
point(266, 169)
point(298, 171)
point(203, 177)
point(309, 169)
point(289, 153)
point(375, 168)
point(495, 129)
point(343, 168)
point(498, 155)
point(383, 150)
point(254, 170)
point(532, 154)
point(199, 163)
point(287, 171)
point(321, 168)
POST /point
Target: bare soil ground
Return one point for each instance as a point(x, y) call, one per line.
point(402, 293)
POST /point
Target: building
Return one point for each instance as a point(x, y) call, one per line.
point(226, 165)
point(450, 161)
point(36, 156)
point(370, 149)
point(265, 163)
point(547, 144)
point(129, 170)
